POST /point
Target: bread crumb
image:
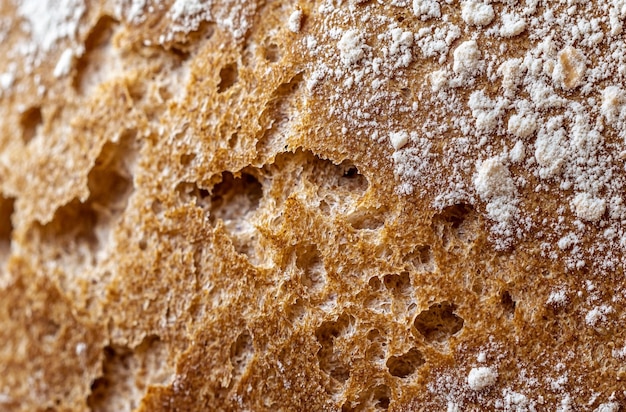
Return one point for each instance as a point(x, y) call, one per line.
point(352, 47)
point(438, 41)
point(467, 58)
point(570, 69)
point(49, 21)
point(400, 47)
point(426, 9)
point(493, 179)
point(512, 25)
point(597, 314)
point(522, 126)
point(588, 207)
point(6, 80)
point(515, 402)
point(64, 65)
point(613, 99)
point(295, 21)
point(557, 298)
point(136, 12)
point(619, 353)
point(481, 378)
point(438, 80)
point(511, 71)
point(566, 242)
point(494, 185)
point(485, 111)
point(453, 407)
point(608, 407)
point(550, 151)
point(477, 13)
point(399, 139)
point(183, 9)
point(81, 348)
point(566, 404)
point(518, 152)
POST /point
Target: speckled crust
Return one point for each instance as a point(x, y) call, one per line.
point(192, 219)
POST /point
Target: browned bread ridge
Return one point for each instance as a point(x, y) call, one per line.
point(330, 205)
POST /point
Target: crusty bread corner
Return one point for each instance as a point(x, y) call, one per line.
point(336, 205)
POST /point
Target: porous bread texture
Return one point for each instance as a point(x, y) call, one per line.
point(246, 205)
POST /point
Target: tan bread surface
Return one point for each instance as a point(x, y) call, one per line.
point(403, 205)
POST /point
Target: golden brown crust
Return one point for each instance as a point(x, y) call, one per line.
point(229, 206)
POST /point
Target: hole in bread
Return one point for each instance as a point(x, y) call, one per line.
point(241, 352)
point(73, 238)
point(296, 311)
point(310, 262)
point(508, 304)
point(110, 181)
point(374, 299)
point(406, 364)
point(6, 226)
point(180, 51)
point(331, 360)
point(164, 93)
point(234, 198)
point(126, 374)
point(455, 215)
point(30, 121)
point(376, 350)
point(180, 45)
point(191, 192)
point(99, 61)
point(338, 185)
point(351, 178)
point(80, 232)
point(477, 285)
point(421, 259)
point(234, 201)
point(277, 116)
point(374, 283)
point(101, 33)
point(397, 283)
point(439, 322)
point(233, 140)
point(272, 53)
point(382, 397)
point(98, 395)
point(378, 303)
point(157, 207)
point(405, 92)
point(329, 187)
point(228, 77)
point(186, 159)
point(365, 220)
point(457, 221)
point(197, 309)
point(136, 89)
point(377, 398)
point(49, 331)
point(288, 88)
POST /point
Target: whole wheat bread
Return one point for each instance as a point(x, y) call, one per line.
point(327, 205)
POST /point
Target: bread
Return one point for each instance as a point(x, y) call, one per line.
point(331, 205)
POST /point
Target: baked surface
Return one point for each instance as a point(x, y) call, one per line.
point(335, 205)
